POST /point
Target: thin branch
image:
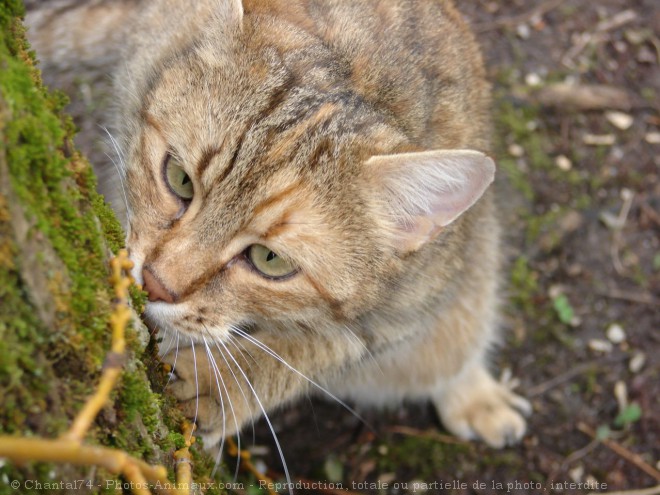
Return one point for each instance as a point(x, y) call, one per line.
point(183, 461)
point(622, 451)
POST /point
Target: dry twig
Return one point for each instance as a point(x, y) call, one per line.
point(619, 449)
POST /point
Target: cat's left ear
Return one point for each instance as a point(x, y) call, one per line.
point(425, 191)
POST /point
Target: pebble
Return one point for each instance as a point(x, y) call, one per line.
point(516, 150)
point(620, 120)
point(600, 345)
point(615, 333)
point(563, 163)
point(621, 395)
point(637, 362)
point(523, 31)
point(652, 137)
point(533, 79)
point(576, 473)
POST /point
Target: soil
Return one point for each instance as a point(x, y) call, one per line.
point(583, 297)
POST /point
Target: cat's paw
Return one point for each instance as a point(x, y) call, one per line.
point(479, 407)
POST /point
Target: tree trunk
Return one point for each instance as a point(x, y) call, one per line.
point(56, 235)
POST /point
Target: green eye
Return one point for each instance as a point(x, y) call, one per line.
point(268, 262)
point(178, 180)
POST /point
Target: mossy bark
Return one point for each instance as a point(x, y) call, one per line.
point(56, 235)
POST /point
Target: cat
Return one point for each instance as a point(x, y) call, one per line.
point(308, 204)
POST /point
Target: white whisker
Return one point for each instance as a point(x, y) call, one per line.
point(232, 340)
point(218, 380)
point(361, 344)
point(263, 410)
point(176, 355)
point(276, 356)
point(119, 169)
point(192, 344)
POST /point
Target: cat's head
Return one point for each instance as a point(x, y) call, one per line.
point(262, 189)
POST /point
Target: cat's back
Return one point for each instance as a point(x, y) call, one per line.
point(413, 59)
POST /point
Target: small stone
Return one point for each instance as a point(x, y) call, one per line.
point(599, 345)
point(533, 79)
point(563, 163)
point(621, 394)
point(516, 150)
point(576, 473)
point(652, 137)
point(599, 139)
point(621, 46)
point(620, 120)
point(555, 291)
point(523, 31)
point(637, 362)
point(615, 333)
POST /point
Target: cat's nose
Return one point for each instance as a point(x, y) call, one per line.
point(155, 289)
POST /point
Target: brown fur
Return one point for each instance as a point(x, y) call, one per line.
point(332, 132)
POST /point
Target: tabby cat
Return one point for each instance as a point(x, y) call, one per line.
point(308, 203)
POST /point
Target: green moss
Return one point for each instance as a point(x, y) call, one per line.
point(137, 398)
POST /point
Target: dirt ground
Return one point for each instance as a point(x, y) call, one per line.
point(580, 197)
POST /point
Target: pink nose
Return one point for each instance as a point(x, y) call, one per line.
point(155, 289)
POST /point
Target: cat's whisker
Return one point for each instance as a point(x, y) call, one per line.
point(276, 356)
point(218, 380)
point(247, 403)
point(121, 168)
point(169, 344)
point(242, 350)
point(363, 345)
point(263, 410)
point(192, 344)
point(176, 355)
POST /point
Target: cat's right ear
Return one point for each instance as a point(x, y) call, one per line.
point(420, 193)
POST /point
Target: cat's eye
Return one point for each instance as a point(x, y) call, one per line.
point(178, 180)
point(268, 262)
